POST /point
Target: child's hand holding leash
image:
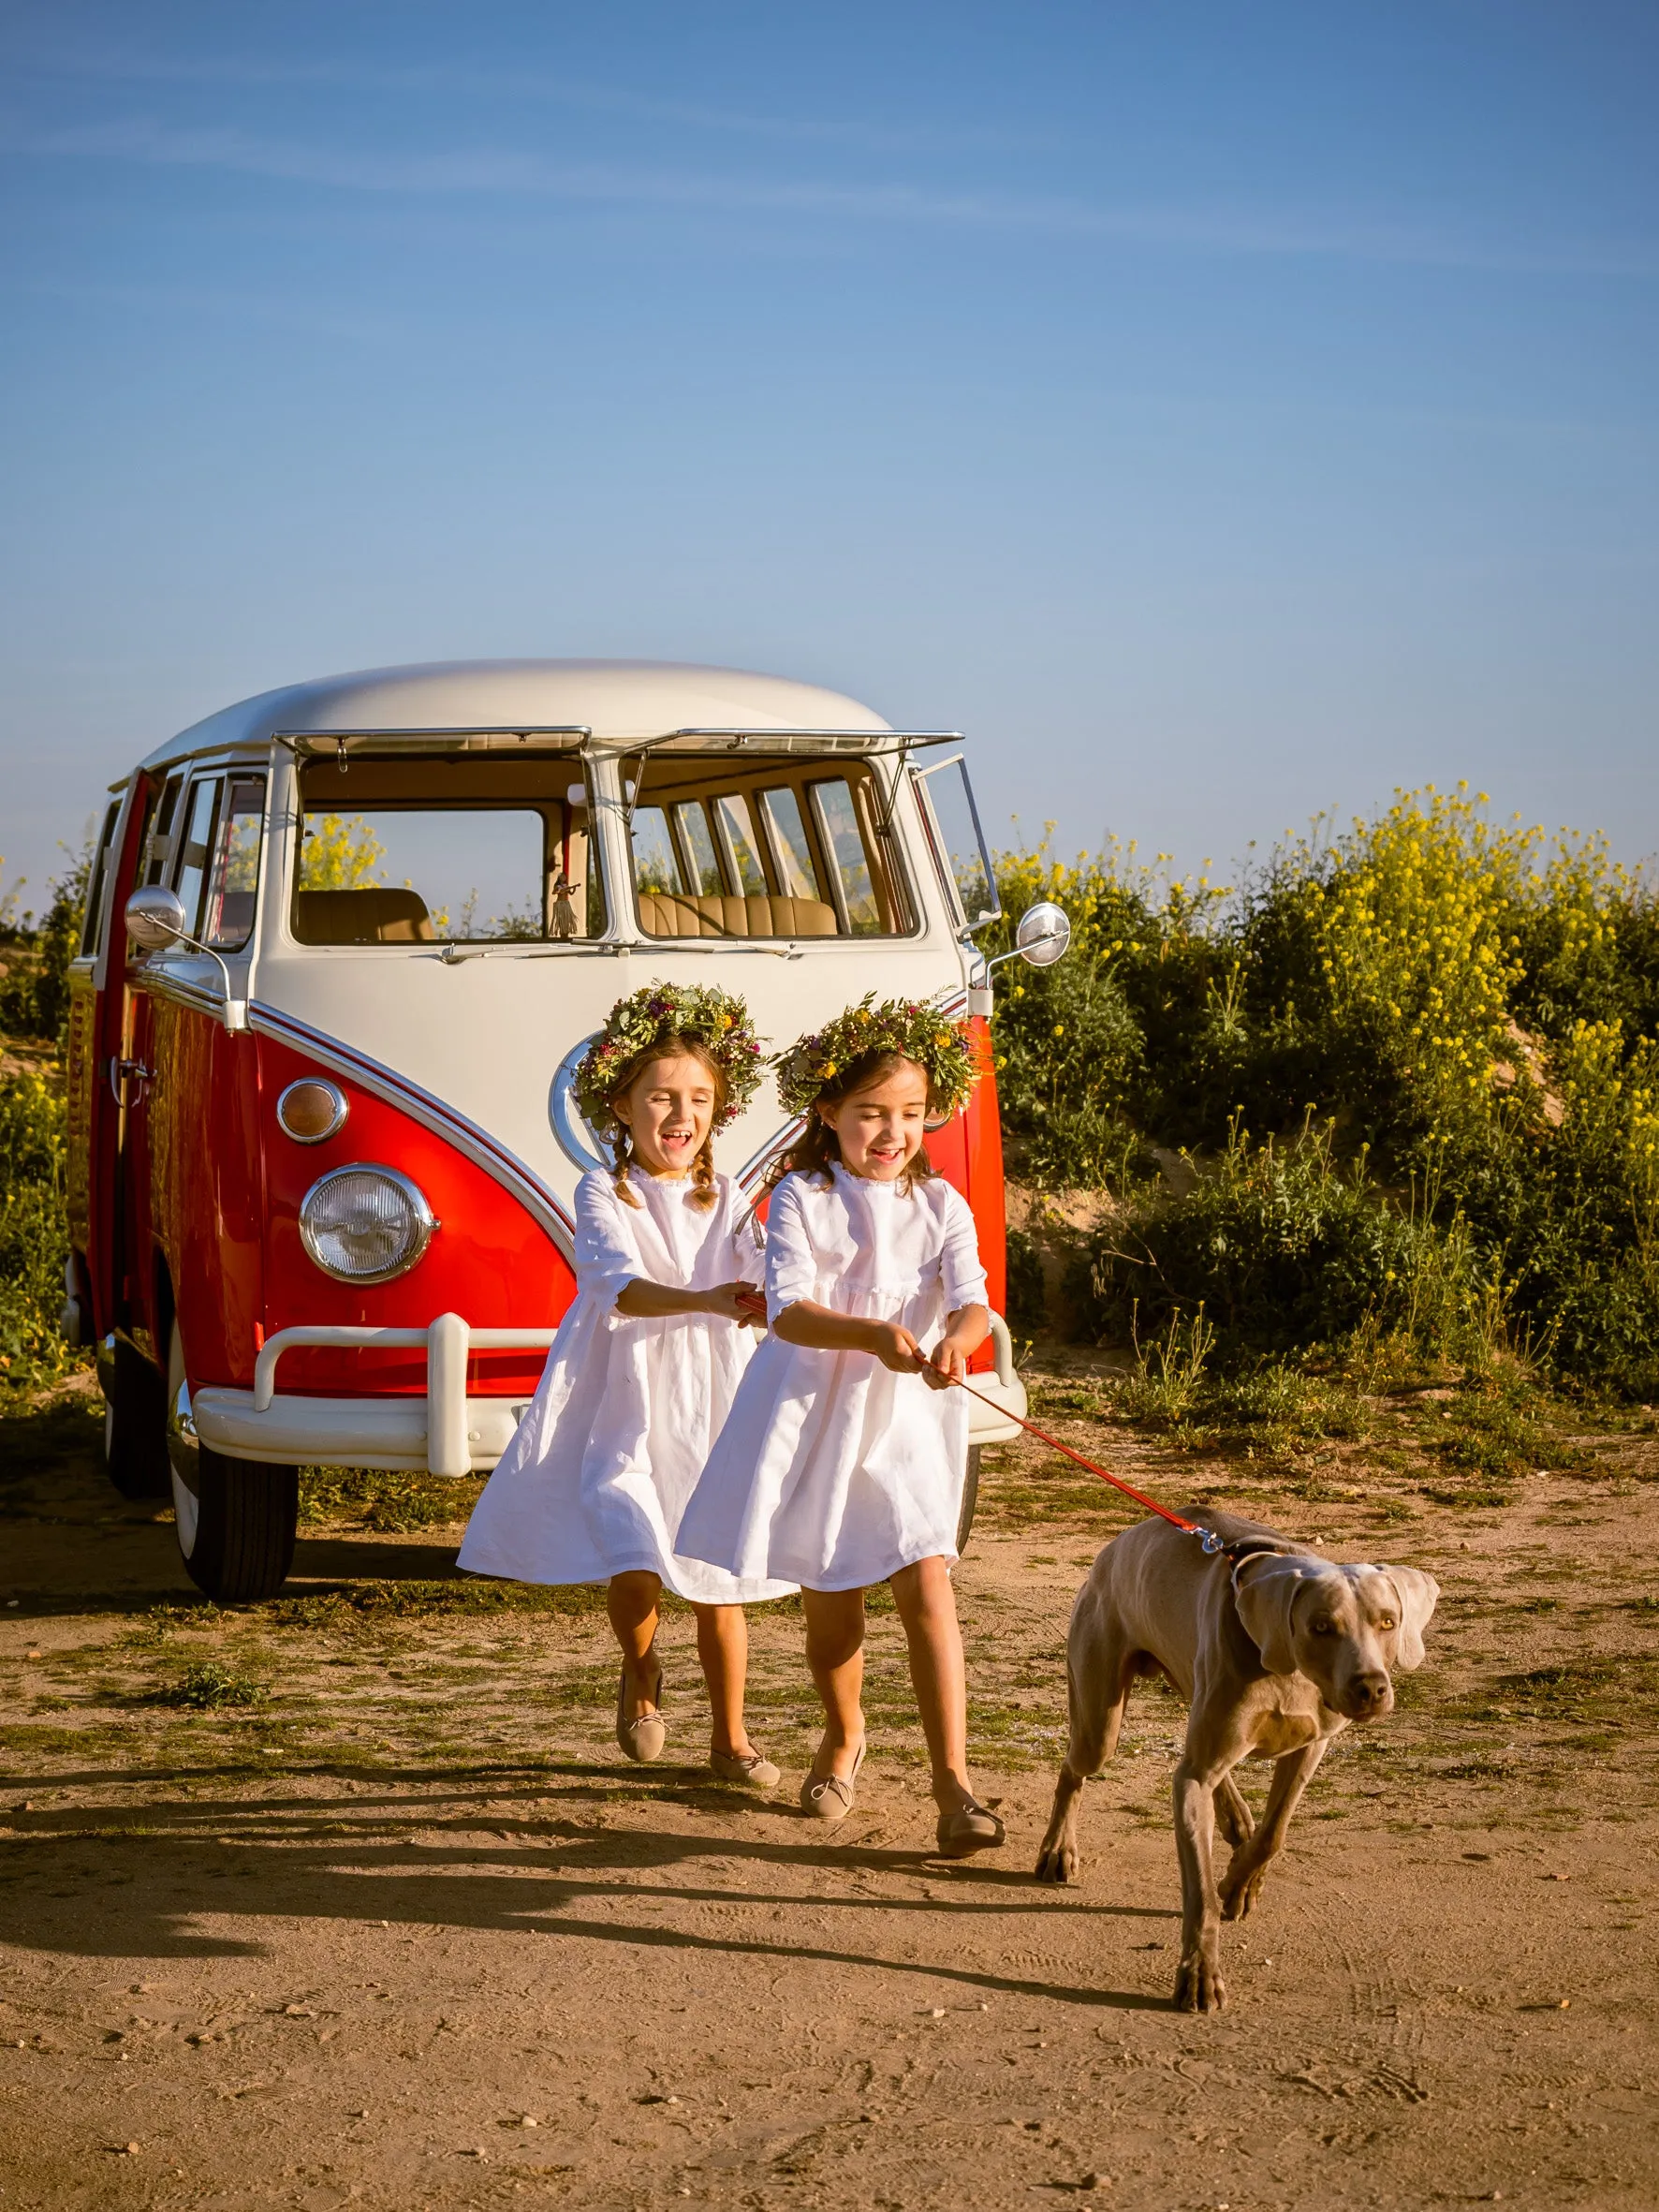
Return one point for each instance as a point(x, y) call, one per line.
point(894, 1347)
point(947, 1364)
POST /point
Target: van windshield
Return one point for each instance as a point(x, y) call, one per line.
point(405, 851)
point(762, 847)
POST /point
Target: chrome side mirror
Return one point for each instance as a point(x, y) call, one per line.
point(1043, 934)
point(154, 916)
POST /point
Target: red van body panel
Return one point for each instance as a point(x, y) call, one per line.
point(968, 1152)
point(207, 1209)
point(490, 1262)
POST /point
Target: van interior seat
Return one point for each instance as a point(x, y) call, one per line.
point(667, 914)
point(375, 917)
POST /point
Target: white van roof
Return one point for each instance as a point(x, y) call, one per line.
point(619, 700)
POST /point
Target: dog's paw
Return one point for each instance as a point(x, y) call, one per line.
point(1198, 1986)
point(1240, 1893)
point(1058, 1862)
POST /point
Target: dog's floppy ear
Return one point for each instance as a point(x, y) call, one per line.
point(1265, 1587)
point(1419, 1595)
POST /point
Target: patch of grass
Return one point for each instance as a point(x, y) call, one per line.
point(1567, 1686)
point(1488, 1495)
point(386, 1501)
point(357, 1605)
point(210, 1684)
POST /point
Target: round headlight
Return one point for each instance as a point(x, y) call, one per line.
point(365, 1224)
point(311, 1110)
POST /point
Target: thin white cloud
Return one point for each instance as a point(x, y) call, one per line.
point(505, 174)
point(121, 66)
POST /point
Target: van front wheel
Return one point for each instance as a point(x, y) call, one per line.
point(235, 1518)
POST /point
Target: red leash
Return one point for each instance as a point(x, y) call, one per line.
point(1210, 1541)
point(1208, 1537)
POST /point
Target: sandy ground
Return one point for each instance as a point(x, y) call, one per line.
point(404, 1931)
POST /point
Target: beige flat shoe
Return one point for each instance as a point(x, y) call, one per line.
point(643, 1739)
point(753, 1769)
point(829, 1797)
point(970, 1828)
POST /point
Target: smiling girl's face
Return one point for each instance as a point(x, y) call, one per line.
point(880, 1126)
point(668, 1109)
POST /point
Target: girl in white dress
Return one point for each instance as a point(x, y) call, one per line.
point(842, 1460)
point(645, 1364)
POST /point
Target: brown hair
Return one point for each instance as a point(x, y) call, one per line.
point(817, 1148)
point(702, 1170)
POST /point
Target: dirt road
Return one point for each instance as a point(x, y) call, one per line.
point(402, 1930)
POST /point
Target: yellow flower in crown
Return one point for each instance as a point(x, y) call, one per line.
point(903, 1027)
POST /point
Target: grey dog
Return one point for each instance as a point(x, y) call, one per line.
point(1275, 1649)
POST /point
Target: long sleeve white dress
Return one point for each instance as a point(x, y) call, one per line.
point(598, 1472)
point(830, 1468)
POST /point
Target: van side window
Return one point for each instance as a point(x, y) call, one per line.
point(798, 871)
point(762, 847)
point(950, 820)
point(161, 824)
point(655, 865)
point(233, 877)
point(838, 819)
point(696, 843)
point(740, 843)
point(193, 844)
point(92, 927)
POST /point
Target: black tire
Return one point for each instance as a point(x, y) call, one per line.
point(135, 1423)
point(964, 1520)
point(235, 1518)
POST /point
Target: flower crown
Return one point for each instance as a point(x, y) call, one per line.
point(696, 1012)
point(901, 1026)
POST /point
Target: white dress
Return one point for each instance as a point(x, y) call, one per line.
point(598, 1471)
point(831, 1469)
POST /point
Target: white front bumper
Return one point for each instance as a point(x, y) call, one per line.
point(444, 1431)
point(347, 1431)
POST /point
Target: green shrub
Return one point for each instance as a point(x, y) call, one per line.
point(34, 1236)
point(1468, 1019)
point(1028, 1303)
point(35, 959)
point(1278, 1244)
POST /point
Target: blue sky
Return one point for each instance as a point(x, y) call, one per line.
point(1220, 412)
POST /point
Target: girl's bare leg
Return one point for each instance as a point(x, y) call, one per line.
point(835, 1654)
point(723, 1646)
point(927, 1607)
point(631, 1601)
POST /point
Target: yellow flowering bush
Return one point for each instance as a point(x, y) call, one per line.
point(1465, 1006)
point(33, 1243)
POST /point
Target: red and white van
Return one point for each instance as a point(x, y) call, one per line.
point(345, 945)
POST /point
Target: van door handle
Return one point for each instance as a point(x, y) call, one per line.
point(123, 1072)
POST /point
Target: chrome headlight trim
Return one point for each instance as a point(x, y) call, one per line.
point(579, 1141)
point(336, 1121)
point(426, 1223)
